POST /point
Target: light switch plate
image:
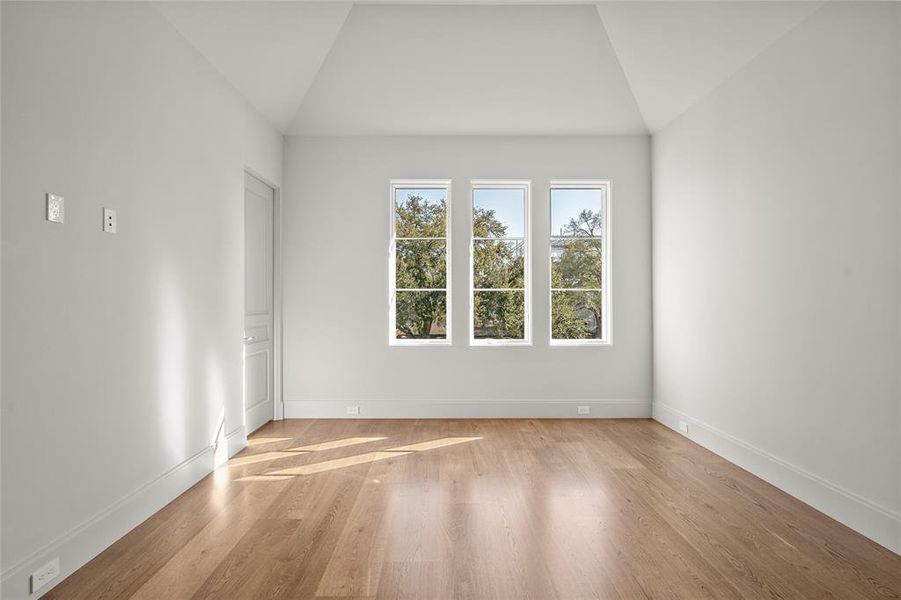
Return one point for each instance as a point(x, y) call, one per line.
point(56, 208)
point(110, 222)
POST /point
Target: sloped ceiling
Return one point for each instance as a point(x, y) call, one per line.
point(470, 70)
point(269, 51)
point(337, 68)
point(675, 53)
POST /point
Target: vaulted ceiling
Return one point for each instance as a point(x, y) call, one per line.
point(337, 68)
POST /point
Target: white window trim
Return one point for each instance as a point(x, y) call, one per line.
point(606, 262)
point(392, 257)
point(526, 186)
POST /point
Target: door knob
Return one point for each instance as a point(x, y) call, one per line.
point(249, 339)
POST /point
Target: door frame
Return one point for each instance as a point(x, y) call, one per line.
point(278, 409)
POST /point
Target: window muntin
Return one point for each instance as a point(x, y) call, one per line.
point(419, 271)
point(579, 263)
point(499, 264)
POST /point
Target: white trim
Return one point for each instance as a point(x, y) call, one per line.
point(255, 414)
point(91, 537)
point(578, 343)
point(526, 186)
point(402, 342)
point(606, 324)
point(477, 2)
point(236, 440)
point(879, 523)
point(277, 296)
point(467, 409)
point(436, 184)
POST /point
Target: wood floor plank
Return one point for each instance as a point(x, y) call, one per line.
point(707, 482)
point(119, 571)
point(185, 572)
point(355, 565)
point(484, 510)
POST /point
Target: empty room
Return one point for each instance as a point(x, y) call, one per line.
point(450, 300)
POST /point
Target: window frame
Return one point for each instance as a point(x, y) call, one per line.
point(526, 186)
point(606, 262)
point(394, 185)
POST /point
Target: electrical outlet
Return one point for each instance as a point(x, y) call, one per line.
point(683, 426)
point(584, 410)
point(353, 410)
point(42, 576)
point(56, 208)
point(110, 222)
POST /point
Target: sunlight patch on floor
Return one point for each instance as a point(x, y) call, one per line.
point(260, 441)
point(337, 444)
point(338, 463)
point(369, 457)
point(265, 478)
point(257, 458)
point(431, 445)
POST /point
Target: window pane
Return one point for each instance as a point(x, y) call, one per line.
point(498, 213)
point(576, 263)
point(576, 315)
point(499, 315)
point(421, 315)
point(421, 264)
point(498, 264)
point(420, 212)
point(577, 212)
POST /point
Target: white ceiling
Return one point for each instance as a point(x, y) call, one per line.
point(675, 53)
point(335, 68)
point(470, 70)
point(270, 51)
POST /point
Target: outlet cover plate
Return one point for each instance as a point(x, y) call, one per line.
point(583, 410)
point(44, 575)
point(353, 410)
point(56, 208)
point(110, 221)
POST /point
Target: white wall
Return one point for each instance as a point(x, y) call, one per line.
point(898, 263)
point(122, 352)
point(336, 282)
point(776, 281)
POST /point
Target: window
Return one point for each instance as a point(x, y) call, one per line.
point(580, 253)
point(499, 264)
point(419, 272)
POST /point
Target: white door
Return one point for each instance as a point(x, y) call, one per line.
point(259, 212)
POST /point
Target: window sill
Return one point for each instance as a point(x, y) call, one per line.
point(418, 343)
point(481, 343)
point(578, 343)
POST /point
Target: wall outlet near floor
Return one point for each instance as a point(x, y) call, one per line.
point(683, 426)
point(42, 576)
point(353, 410)
point(583, 410)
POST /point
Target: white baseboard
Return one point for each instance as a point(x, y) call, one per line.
point(237, 441)
point(466, 409)
point(876, 522)
point(88, 539)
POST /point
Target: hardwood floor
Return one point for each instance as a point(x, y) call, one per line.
point(507, 509)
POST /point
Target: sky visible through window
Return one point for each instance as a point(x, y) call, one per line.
point(429, 196)
point(508, 207)
point(566, 204)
